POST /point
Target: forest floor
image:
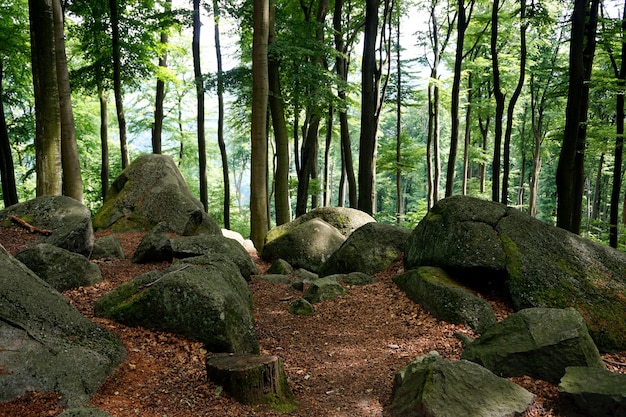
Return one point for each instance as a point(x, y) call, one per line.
point(340, 361)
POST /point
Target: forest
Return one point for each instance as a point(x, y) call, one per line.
point(272, 108)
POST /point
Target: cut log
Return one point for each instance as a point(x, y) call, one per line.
point(252, 379)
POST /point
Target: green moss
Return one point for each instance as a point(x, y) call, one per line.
point(512, 258)
point(437, 276)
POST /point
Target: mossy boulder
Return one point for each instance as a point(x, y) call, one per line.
point(345, 220)
point(149, 191)
point(369, 249)
point(45, 343)
point(431, 386)
point(307, 245)
point(209, 302)
point(491, 247)
point(155, 246)
point(445, 298)
point(594, 392)
point(60, 268)
point(107, 247)
point(538, 342)
point(301, 307)
point(324, 289)
point(67, 219)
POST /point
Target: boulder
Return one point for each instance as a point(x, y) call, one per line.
point(60, 268)
point(84, 412)
point(156, 246)
point(190, 246)
point(345, 220)
point(246, 243)
point(433, 387)
point(301, 307)
point(323, 289)
point(369, 249)
point(307, 245)
point(107, 247)
point(274, 278)
point(489, 246)
point(149, 191)
point(67, 219)
point(208, 302)
point(280, 266)
point(595, 392)
point(356, 278)
point(47, 345)
point(445, 298)
point(538, 342)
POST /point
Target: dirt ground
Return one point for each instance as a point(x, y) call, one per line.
point(340, 361)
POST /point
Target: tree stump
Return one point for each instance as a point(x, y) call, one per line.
point(252, 379)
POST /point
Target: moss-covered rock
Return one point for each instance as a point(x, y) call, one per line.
point(301, 307)
point(324, 289)
point(107, 247)
point(594, 391)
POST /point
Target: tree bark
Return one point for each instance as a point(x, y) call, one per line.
point(260, 90)
point(46, 89)
point(199, 82)
point(70, 161)
point(281, 136)
point(157, 128)
point(117, 80)
point(104, 142)
point(7, 169)
point(500, 98)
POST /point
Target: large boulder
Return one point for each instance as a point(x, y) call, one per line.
point(190, 246)
point(538, 342)
point(594, 391)
point(46, 344)
point(155, 246)
point(487, 245)
point(369, 249)
point(60, 268)
point(68, 221)
point(345, 220)
point(107, 247)
point(433, 387)
point(307, 245)
point(210, 303)
point(446, 299)
point(149, 191)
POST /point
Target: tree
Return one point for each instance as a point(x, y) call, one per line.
point(258, 131)
point(157, 128)
point(117, 79)
point(46, 88)
point(570, 170)
point(7, 173)
point(199, 83)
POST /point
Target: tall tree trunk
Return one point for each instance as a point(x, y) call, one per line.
point(399, 209)
point(597, 190)
point(157, 129)
point(72, 177)
point(117, 80)
point(369, 103)
point(500, 99)
point(511, 107)
point(341, 65)
point(570, 169)
point(46, 89)
point(220, 115)
point(104, 142)
point(467, 135)
point(199, 81)
point(462, 23)
point(327, 163)
point(260, 90)
point(7, 170)
point(281, 136)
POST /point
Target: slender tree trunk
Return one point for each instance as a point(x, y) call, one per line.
point(570, 170)
point(309, 159)
point(104, 143)
point(281, 176)
point(117, 80)
point(46, 89)
point(500, 99)
point(7, 170)
point(202, 162)
point(399, 209)
point(157, 129)
point(220, 115)
point(467, 136)
point(72, 177)
point(327, 163)
point(260, 90)
point(597, 190)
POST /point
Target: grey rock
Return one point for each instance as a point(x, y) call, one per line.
point(107, 247)
point(446, 299)
point(354, 278)
point(324, 289)
point(307, 245)
point(304, 275)
point(595, 392)
point(538, 342)
point(430, 386)
point(47, 344)
point(191, 246)
point(488, 246)
point(209, 302)
point(371, 248)
point(149, 191)
point(84, 412)
point(67, 219)
point(60, 268)
point(280, 266)
point(156, 246)
point(301, 307)
point(275, 278)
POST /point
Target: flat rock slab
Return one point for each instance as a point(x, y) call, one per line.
point(594, 391)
